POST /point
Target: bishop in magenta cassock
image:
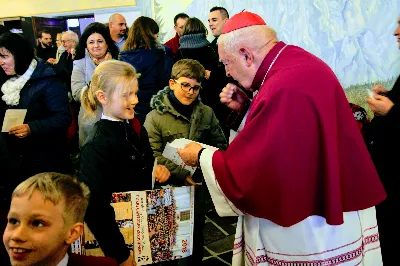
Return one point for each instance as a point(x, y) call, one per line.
point(298, 174)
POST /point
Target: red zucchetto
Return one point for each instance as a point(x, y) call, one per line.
point(242, 20)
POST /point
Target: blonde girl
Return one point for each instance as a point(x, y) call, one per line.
point(116, 155)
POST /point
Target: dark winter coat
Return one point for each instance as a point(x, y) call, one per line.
point(212, 87)
point(48, 116)
point(46, 53)
point(81, 260)
point(385, 134)
point(64, 68)
point(165, 124)
point(214, 44)
point(154, 66)
point(113, 159)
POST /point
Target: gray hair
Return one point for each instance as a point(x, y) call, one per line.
point(254, 37)
point(72, 35)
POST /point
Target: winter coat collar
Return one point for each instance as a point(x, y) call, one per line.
point(192, 41)
point(42, 70)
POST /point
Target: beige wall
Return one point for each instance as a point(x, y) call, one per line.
point(16, 8)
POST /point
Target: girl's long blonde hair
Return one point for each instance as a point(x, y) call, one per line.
point(109, 76)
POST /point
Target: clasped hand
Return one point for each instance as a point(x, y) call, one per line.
point(381, 105)
point(20, 131)
point(233, 97)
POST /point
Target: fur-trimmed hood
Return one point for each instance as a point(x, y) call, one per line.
point(159, 102)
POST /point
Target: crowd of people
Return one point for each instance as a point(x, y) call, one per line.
point(301, 174)
point(162, 224)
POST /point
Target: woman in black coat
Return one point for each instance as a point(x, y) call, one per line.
point(150, 59)
point(40, 143)
point(194, 45)
point(384, 132)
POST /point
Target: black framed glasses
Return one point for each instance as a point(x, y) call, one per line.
point(186, 86)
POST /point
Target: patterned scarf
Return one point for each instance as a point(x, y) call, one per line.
point(97, 61)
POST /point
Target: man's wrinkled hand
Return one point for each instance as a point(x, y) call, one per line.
point(233, 97)
point(190, 153)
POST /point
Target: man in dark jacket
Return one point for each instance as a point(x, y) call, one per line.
point(45, 49)
point(385, 134)
point(179, 25)
point(216, 21)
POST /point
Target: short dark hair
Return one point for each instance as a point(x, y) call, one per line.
point(194, 26)
point(20, 48)
point(40, 34)
point(223, 11)
point(3, 29)
point(180, 15)
point(100, 28)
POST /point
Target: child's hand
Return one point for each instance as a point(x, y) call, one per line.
point(189, 181)
point(162, 173)
point(207, 75)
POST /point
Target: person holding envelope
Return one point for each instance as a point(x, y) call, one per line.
point(39, 144)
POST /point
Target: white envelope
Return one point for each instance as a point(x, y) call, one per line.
point(12, 118)
point(171, 152)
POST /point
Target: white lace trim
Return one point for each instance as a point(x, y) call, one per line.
point(13, 86)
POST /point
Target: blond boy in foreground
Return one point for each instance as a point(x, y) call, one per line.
point(45, 218)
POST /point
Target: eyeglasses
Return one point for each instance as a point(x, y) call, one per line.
point(186, 86)
point(64, 41)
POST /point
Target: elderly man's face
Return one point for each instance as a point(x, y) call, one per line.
point(67, 42)
point(397, 31)
point(235, 67)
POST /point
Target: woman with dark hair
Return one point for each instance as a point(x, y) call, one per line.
point(150, 59)
point(40, 144)
point(194, 45)
point(95, 46)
